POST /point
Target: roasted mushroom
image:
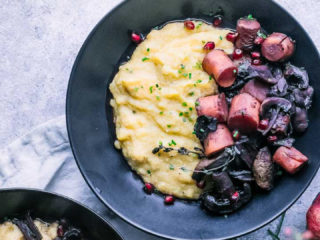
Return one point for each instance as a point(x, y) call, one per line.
point(296, 76)
point(263, 169)
point(300, 120)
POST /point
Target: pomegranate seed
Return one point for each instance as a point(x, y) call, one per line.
point(256, 61)
point(258, 40)
point(217, 20)
point(60, 231)
point(235, 196)
point(272, 138)
point(235, 134)
point(232, 36)
point(237, 54)
point(169, 199)
point(189, 25)
point(200, 184)
point(263, 124)
point(255, 54)
point(136, 38)
point(148, 188)
point(209, 46)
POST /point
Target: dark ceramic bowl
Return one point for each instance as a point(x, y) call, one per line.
point(91, 130)
point(52, 207)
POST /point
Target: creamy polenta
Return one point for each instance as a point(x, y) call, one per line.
point(10, 231)
point(153, 100)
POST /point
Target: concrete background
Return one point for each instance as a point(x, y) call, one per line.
point(39, 42)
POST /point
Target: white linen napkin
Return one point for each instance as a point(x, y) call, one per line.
point(43, 159)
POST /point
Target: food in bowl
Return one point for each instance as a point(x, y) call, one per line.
point(28, 228)
point(221, 113)
point(153, 101)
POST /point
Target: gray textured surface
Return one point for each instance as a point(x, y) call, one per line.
point(39, 42)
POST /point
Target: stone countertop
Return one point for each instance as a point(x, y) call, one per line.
point(39, 42)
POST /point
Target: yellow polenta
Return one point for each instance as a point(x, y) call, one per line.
point(154, 103)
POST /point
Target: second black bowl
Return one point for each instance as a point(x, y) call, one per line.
point(53, 207)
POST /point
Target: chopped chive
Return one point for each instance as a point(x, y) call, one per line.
point(199, 81)
point(168, 126)
point(184, 169)
point(160, 143)
point(198, 26)
point(201, 130)
point(197, 103)
point(171, 167)
point(184, 104)
point(151, 89)
point(190, 108)
point(250, 17)
point(186, 113)
point(149, 172)
point(191, 93)
point(136, 89)
point(210, 77)
point(179, 71)
point(161, 113)
point(158, 98)
point(145, 59)
point(133, 111)
point(159, 88)
point(221, 37)
point(190, 119)
point(184, 119)
point(141, 86)
point(148, 49)
point(181, 114)
point(173, 142)
point(157, 85)
point(203, 41)
point(182, 66)
point(185, 74)
point(193, 132)
point(170, 144)
point(190, 75)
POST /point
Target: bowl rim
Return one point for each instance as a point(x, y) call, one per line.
point(63, 197)
point(90, 183)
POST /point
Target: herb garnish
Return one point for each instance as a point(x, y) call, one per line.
point(168, 126)
point(136, 89)
point(198, 26)
point(261, 34)
point(145, 59)
point(191, 93)
point(151, 89)
point(190, 75)
point(148, 49)
point(250, 17)
point(198, 65)
point(171, 167)
point(149, 172)
point(197, 104)
point(161, 113)
point(184, 169)
point(158, 98)
point(220, 37)
point(182, 66)
point(181, 114)
point(184, 104)
point(182, 150)
point(190, 108)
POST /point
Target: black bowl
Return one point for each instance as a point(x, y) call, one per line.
point(52, 207)
point(91, 130)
